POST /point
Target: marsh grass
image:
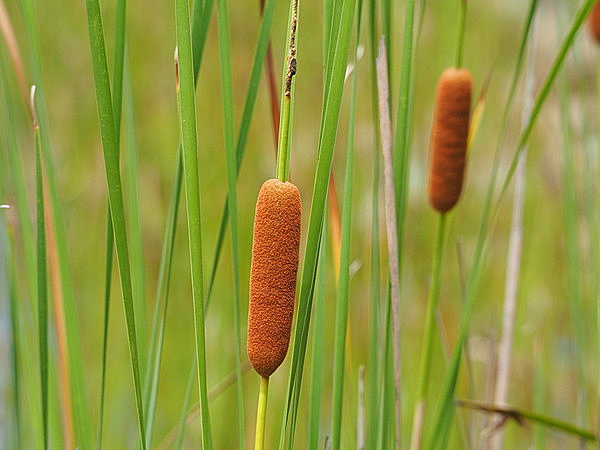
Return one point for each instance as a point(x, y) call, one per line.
point(67, 339)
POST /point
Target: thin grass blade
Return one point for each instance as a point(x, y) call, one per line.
point(343, 285)
point(328, 135)
point(249, 103)
point(227, 93)
point(81, 412)
point(201, 17)
point(316, 381)
point(374, 365)
point(187, 118)
point(42, 275)
point(113, 176)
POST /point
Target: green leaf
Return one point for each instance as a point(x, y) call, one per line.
point(316, 381)
point(343, 287)
point(187, 119)
point(42, 276)
point(329, 125)
point(113, 175)
point(227, 92)
point(242, 138)
point(81, 414)
point(202, 14)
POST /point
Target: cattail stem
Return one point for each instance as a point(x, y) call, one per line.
point(283, 146)
point(460, 37)
point(283, 153)
point(432, 305)
point(261, 414)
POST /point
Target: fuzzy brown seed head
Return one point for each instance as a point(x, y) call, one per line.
point(275, 251)
point(594, 22)
point(449, 138)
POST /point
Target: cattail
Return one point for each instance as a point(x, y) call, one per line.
point(449, 139)
point(273, 275)
point(594, 22)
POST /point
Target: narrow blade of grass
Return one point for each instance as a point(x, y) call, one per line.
point(316, 379)
point(113, 175)
point(17, 181)
point(343, 286)
point(249, 103)
point(81, 412)
point(108, 268)
point(201, 18)
point(329, 125)
point(520, 415)
point(15, 343)
point(185, 409)
point(568, 41)
point(162, 302)
point(227, 93)
point(119, 62)
point(20, 301)
point(187, 117)
point(202, 13)
point(135, 226)
point(42, 275)
point(401, 154)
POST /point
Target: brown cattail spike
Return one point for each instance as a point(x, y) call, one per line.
point(594, 22)
point(273, 275)
point(449, 139)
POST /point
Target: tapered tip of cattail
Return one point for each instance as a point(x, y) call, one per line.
point(594, 22)
point(275, 251)
point(449, 139)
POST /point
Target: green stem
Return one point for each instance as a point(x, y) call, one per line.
point(261, 414)
point(42, 287)
point(432, 306)
point(108, 269)
point(110, 146)
point(187, 116)
point(460, 37)
point(316, 385)
point(521, 414)
point(283, 147)
point(227, 93)
point(329, 125)
point(343, 291)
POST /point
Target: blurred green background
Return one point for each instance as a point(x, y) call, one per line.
point(544, 358)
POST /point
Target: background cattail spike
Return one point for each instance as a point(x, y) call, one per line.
point(449, 139)
point(594, 22)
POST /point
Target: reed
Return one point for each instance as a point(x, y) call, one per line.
point(449, 144)
point(356, 319)
point(275, 250)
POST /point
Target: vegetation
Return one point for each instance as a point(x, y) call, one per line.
point(136, 138)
